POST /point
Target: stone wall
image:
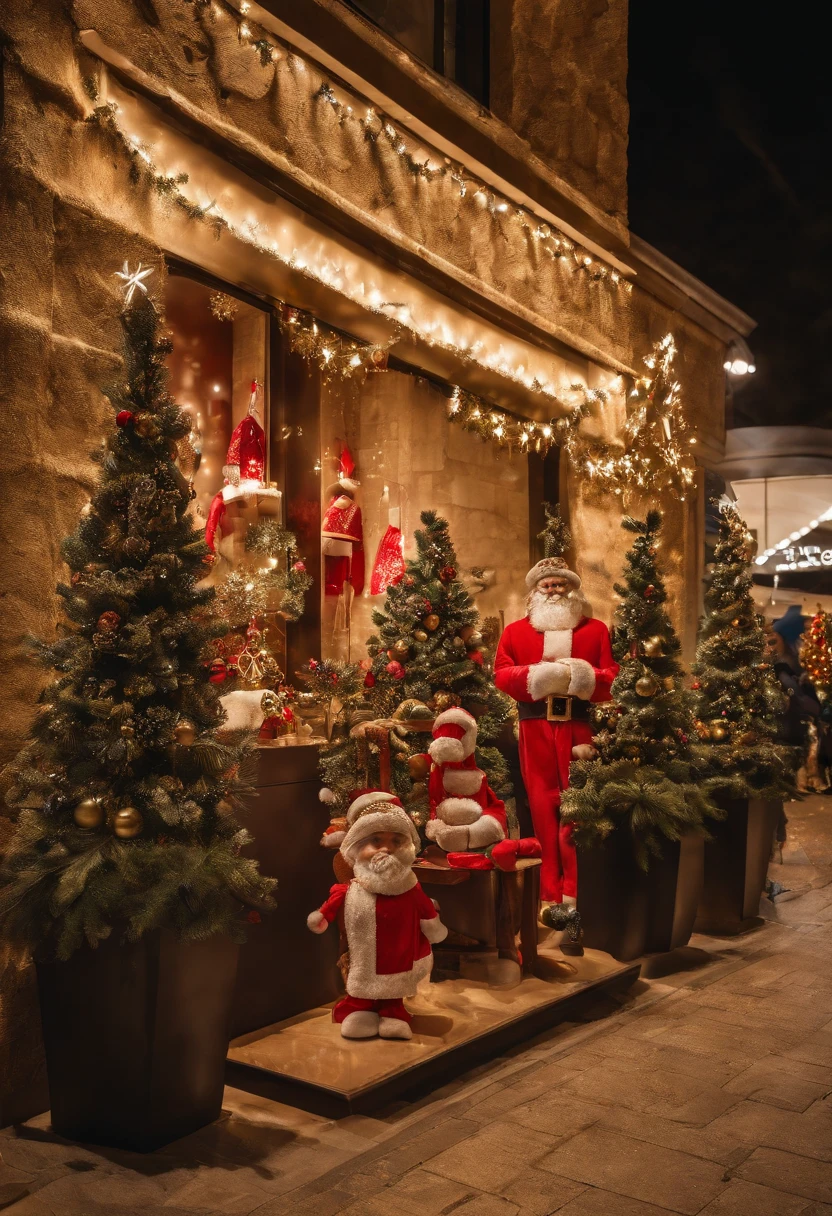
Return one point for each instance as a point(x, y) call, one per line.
point(559, 79)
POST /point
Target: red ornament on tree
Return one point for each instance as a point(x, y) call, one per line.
point(369, 680)
point(254, 917)
point(649, 590)
point(476, 657)
point(219, 671)
point(395, 669)
point(300, 567)
point(123, 417)
point(447, 573)
point(108, 622)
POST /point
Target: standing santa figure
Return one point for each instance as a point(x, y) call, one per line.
point(342, 534)
point(554, 662)
point(390, 923)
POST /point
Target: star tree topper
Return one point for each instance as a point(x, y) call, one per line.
point(132, 279)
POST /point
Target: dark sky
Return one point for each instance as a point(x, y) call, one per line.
point(731, 113)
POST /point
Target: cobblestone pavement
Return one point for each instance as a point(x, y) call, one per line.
point(706, 1090)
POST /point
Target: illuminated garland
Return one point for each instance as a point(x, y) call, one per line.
point(377, 126)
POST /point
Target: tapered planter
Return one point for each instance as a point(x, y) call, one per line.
point(736, 862)
point(629, 913)
point(136, 1035)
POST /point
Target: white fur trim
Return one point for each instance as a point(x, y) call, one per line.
point(459, 717)
point(317, 922)
point(362, 978)
point(546, 568)
point(458, 811)
point(394, 820)
point(462, 780)
point(332, 840)
point(548, 679)
point(325, 794)
point(557, 644)
point(434, 930)
point(451, 839)
point(358, 804)
point(360, 1024)
point(394, 1028)
point(582, 681)
point(443, 750)
point(584, 751)
point(485, 831)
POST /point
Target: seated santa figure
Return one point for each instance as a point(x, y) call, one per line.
point(390, 923)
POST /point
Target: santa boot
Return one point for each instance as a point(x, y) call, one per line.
point(394, 1021)
point(567, 920)
point(363, 1024)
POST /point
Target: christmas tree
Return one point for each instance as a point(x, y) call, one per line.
point(816, 653)
point(424, 658)
point(125, 793)
point(644, 780)
point(737, 695)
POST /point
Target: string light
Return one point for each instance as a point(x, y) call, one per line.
point(789, 540)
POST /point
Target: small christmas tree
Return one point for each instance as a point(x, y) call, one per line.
point(737, 696)
point(816, 653)
point(425, 658)
point(644, 780)
point(125, 793)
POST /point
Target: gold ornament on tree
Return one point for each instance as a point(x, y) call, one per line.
point(127, 822)
point(184, 732)
point(89, 813)
point(718, 731)
point(647, 685)
point(431, 621)
point(651, 648)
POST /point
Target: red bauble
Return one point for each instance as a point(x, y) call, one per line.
point(447, 573)
point(649, 590)
point(219, 671)
point(696, 684)
point(254, 917)
point(369, 680)
point(395, 670)
point(123, 417)
point(313, 664)
point(108, 622)
point(476, 657)
point(300, 567)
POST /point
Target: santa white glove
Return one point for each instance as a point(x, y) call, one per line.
point(453, 838)
point(581, 678)
point(549, 680)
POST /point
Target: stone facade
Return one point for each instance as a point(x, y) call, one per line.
point(71, 216)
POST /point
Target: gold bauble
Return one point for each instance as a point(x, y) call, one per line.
point(420, 635)
point(145, 426)
point(418, 767)
point(89, 813)
point(652, 647)
point(647, 686)
point(474, 639)
point(718, 732)
point(431, 621)
point(127, 822)
point(444, 700)
point(400, 649)
point(184, 732)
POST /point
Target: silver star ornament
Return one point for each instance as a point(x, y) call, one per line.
point(132, 279)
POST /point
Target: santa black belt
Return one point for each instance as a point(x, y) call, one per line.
point(555, 709)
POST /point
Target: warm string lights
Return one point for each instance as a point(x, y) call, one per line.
point(433, 166)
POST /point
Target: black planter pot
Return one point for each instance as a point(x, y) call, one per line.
point(136, 1035)
point(629, 913)
point(736, 862)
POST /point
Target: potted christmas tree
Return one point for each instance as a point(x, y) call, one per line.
point(737, 700)
point(638, 808)
point(425, 657)
point(125, 878)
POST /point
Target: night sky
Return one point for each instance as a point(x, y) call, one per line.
point(731, 113)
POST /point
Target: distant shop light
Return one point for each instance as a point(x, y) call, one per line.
point(739, 360)
point(777, 549)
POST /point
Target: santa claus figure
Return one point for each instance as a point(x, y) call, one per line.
point(554, 662)
point(243, 471)
point(390, 923)
point(342, 534)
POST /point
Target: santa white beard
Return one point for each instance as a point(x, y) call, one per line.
point(387, 873)
point(548, 613)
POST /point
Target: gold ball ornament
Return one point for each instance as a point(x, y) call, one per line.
point(184, 733)
point(89, 813)
point(145, 426)
point(718, 732)
point(652, 647)
point(647, 686)
point(444, 700)
point(400, 649)
point(420, 635)
point(431, 621)
point(127, 822)
point(418, 767)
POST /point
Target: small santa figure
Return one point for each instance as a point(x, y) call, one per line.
point(553, 662)
point(244, 469)
point(342, 533)
point(390, 923)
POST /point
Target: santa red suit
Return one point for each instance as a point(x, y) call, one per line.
point(553, 662)
point(342, 534)
point(390, 923)
point(244, 469)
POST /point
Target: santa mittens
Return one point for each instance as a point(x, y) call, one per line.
point(388, 568)
point(505, 853)
point(470, 861)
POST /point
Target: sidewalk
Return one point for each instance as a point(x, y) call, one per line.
point(706, 1090)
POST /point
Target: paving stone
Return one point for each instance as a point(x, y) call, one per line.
point(789, 1172)
point(559, 1116)
point(771, 1070)
point(540, 1193)
point(594, 1202)
point(493, 1158)
point(700, 1142)
point(421, 1193)
point(649, 1172)
point(741, 1198)
point(325, 1203)
point(425, 1147)
point(662, 1092)
point(760, 1124)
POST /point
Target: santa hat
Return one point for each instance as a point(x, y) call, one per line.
point(345, 471)
point(454, 736)
point(245, 461)
point(551, 567)
point(376, 811)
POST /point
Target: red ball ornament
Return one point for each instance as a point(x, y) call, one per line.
point(313, 664)
point(476, 657)
point(123, 417)
point(300, 567)
point(108, 622)
point(369, 680)
point(395, 670)
point(447, 573)
point(649, 590)
point(696, 684)
point(254, 917)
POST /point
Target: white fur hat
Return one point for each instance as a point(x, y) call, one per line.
point(376, 811)
point(454, 736)
point(551, 567)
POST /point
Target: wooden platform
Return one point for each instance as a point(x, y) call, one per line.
point(304, 1062)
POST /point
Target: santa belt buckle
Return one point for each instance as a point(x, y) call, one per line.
point(558, 709)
